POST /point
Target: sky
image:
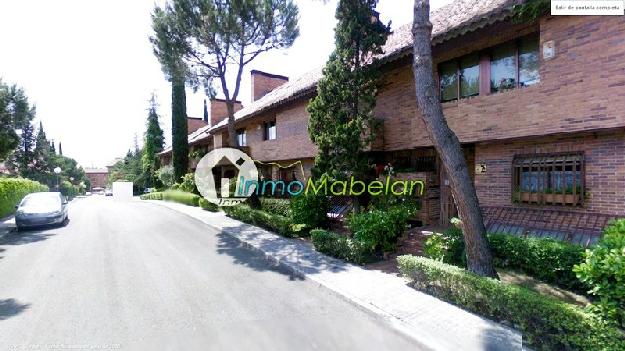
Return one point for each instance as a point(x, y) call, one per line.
point(88, 66)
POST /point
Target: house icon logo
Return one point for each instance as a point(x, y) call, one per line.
point(222, 174)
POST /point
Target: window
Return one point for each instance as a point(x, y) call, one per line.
point(270, 130)
point(460, 77)
point(241, 137)
point(553, 179)
point(514, 64)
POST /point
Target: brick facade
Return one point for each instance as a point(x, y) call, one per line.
point(98, 177)
point(263, 83)
point(194, 124)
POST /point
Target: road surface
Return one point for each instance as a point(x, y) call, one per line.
point(138, 276)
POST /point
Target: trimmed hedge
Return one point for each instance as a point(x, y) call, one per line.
point(380, 229)
point(310, 210)
point(13, 190)
point(280, 207)
point(208, 206)
point(546, 323)
point(276, 223)
point(174, 196)
point(546, 259)
point(340, 246)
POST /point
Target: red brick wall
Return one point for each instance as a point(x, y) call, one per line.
point(98, 180)
point(194, 124)
point(263, 83)
point(218, 110)
point(604, 155)
point(582, 88)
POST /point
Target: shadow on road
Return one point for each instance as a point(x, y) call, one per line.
point(308, 261)
point(21, 238)
point(10, 308)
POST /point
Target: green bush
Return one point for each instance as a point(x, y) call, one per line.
point(545, 259)
point(310, 210)
point(166, 175)
point(546, 323)
point(68, 189)
point(174, 196)
point(280, 207)
point(340, 246)
point(207, 205)
point(378, 229)
point(188, 183)
point(549, 260)
point(152, 196)
point(13, 190)
point(603, 269)
point(447, 246)
point(276, 223)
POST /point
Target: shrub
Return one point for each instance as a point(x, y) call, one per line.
point(447, 247)
point(379, 229)
point(152, 196)
point(340, 246)
point(207, 205)
point(310, 210)
point(68, 189)
point(166, 175)
point(546, 259)
point(280, 207)
point(603, 269)
point(188, 183)
point(13, 190)
point(279, 224)
point(546, 323)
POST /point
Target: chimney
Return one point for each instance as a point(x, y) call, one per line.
point(263, 83)
point(219, 111)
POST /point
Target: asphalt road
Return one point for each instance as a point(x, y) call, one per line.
point(137, 276)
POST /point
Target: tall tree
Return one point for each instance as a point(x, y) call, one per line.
point(479, 258)
point(205, 112)
point(168, 45)
point(60, 149)
point(154, 141)
point(341, 122)
point(21, 161)
point(15, 113)
point(223, 34)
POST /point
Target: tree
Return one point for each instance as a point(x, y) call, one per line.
point(154, 141)
point(168, 48)
point(60, 149)
point(479, 258)
point(222, 34)
point(21, 161)
point(341, 122)
point(15, 114)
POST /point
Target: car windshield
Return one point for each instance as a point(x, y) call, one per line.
point(41, 200)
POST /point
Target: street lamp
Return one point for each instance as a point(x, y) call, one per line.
point(57, 170)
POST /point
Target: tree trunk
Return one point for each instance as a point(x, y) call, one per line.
point(232, 132)
point(179, 141)
point(479, 258)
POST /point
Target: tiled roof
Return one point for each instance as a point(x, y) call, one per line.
point(96, 170)
point(449, 21)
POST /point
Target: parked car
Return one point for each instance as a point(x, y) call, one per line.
point(108, 192)
point(39, 209)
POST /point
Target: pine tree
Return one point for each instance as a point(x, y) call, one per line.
point(21, 161)
point(154, 141)
point(15, 113)
point(341, 121)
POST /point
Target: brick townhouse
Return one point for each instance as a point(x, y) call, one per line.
point(538, 107)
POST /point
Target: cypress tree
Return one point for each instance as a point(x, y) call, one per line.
point(153, 144)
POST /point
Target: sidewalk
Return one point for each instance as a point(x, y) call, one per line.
point(7, 225)
point(432, 322)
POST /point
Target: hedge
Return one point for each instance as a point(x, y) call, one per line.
point(546, 259)
point(280, 224)
point(174, 196)
point(13, 190)
point(380, 229)
point(546, 323)
point(340, 246)
point(208, 206)
point(280, 207)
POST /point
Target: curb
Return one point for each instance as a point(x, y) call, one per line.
point(396, 323)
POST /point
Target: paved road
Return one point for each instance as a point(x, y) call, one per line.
point(137, 276)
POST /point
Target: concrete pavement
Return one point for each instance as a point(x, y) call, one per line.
point(434, 323)
point(135, 276)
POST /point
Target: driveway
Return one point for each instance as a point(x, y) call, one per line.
point(137, 276)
